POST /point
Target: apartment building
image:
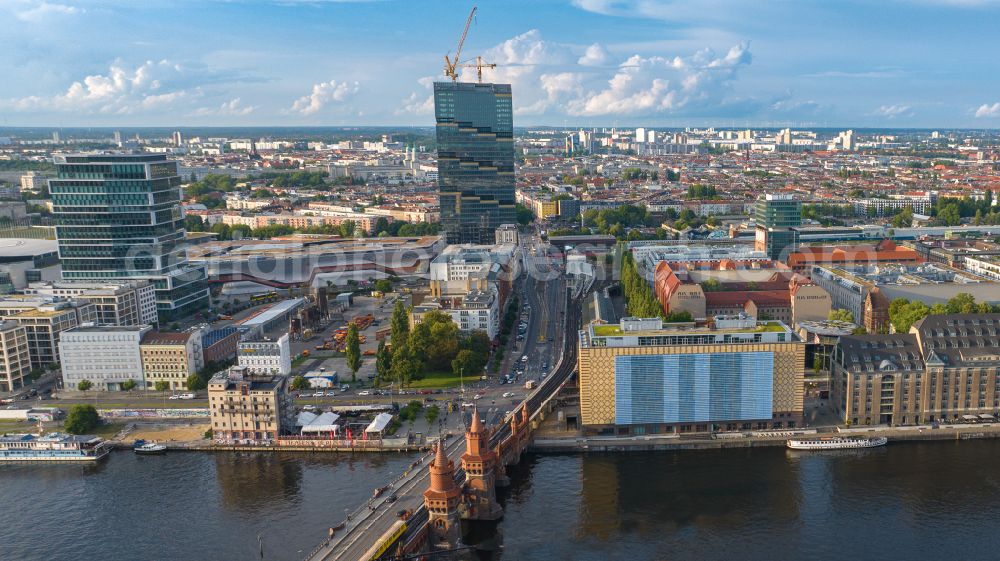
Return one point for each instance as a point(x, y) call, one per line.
point(248, 408)
point(271, 357)
point(14, 362)
point(646, 377)
point(171, 357)
point(476, 310)
point(946, 368)
point(44, 319)
point(117, 302)
point(106, 356)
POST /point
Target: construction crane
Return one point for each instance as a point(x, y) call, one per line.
point(451, 65)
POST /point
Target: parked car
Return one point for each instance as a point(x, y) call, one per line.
point(477, 397)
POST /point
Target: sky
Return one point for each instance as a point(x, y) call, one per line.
point(799, 63)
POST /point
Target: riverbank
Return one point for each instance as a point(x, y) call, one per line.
point(576, 443)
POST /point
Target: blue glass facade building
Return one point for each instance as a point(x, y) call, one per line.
point(693, 388)
point(475, 144)
point(118, 217)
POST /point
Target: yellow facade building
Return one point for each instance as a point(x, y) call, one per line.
point(646, 377)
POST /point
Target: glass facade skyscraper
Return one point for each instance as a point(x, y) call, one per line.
point(475, 143)
point(118, 216)
point(777, 216)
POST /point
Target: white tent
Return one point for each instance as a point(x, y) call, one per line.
point(324, 423)
point(379, 424)
point(305, 418)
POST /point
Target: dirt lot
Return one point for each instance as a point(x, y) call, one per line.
point(169, 433)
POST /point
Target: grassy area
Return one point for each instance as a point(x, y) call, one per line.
point(440, 380)
point(299, 360)
point(607, 330)
point(106, 430)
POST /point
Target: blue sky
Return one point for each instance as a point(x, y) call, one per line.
point(893, 63)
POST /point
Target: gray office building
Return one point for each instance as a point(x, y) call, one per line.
point(118, 217)
point(475, 143)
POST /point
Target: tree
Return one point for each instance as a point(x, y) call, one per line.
point(524, 214)
point(678, 317)
point(431, 414)
point(904, 219)
point(383, 363)
point(400, 325)
point(840, 315)
point(299, 383)
point(353, 350)
point(161, 386)
point(383, 285)
point(128, 385)
point(81, 419)
point(466, 362)
point(195, 383)
point(347, 229)
point(903, 313)
point(84, 385)
point(405, 366)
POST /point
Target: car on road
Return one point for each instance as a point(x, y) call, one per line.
point(175, 396)
point(466, 405)
point(365, 392)
point(524, 358)
point(318, 394)
point(509, 394)
point(477, 397)
point(186, 396)
point(331, 394)
point(391, 499)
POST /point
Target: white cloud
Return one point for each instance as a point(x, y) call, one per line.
point(151, 85)
point(323, 94)
point(891, 111)
point(643, 85)
point(595, 55)
point(44, 11)
point(987, 110)
point(231, 108)
point(417, 104)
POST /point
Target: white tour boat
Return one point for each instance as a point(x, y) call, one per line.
point(836, 443)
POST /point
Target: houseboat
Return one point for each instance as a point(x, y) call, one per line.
point(53, 447)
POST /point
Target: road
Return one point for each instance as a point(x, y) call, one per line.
point(371, 521)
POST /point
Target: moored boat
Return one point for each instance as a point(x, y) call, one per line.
point(143, 447)
point(53, 447)
point(835, 443)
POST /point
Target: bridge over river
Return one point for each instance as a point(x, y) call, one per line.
point(378, 530)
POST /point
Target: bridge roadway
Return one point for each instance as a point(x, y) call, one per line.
point(367, 525)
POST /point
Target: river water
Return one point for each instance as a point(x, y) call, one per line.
point(936, 500)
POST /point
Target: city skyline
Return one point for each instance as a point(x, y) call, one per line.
point(920, 64)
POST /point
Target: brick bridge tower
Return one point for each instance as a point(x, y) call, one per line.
point(480, 463)
point(442, 501)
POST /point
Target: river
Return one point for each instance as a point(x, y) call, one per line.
point(929, 500)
